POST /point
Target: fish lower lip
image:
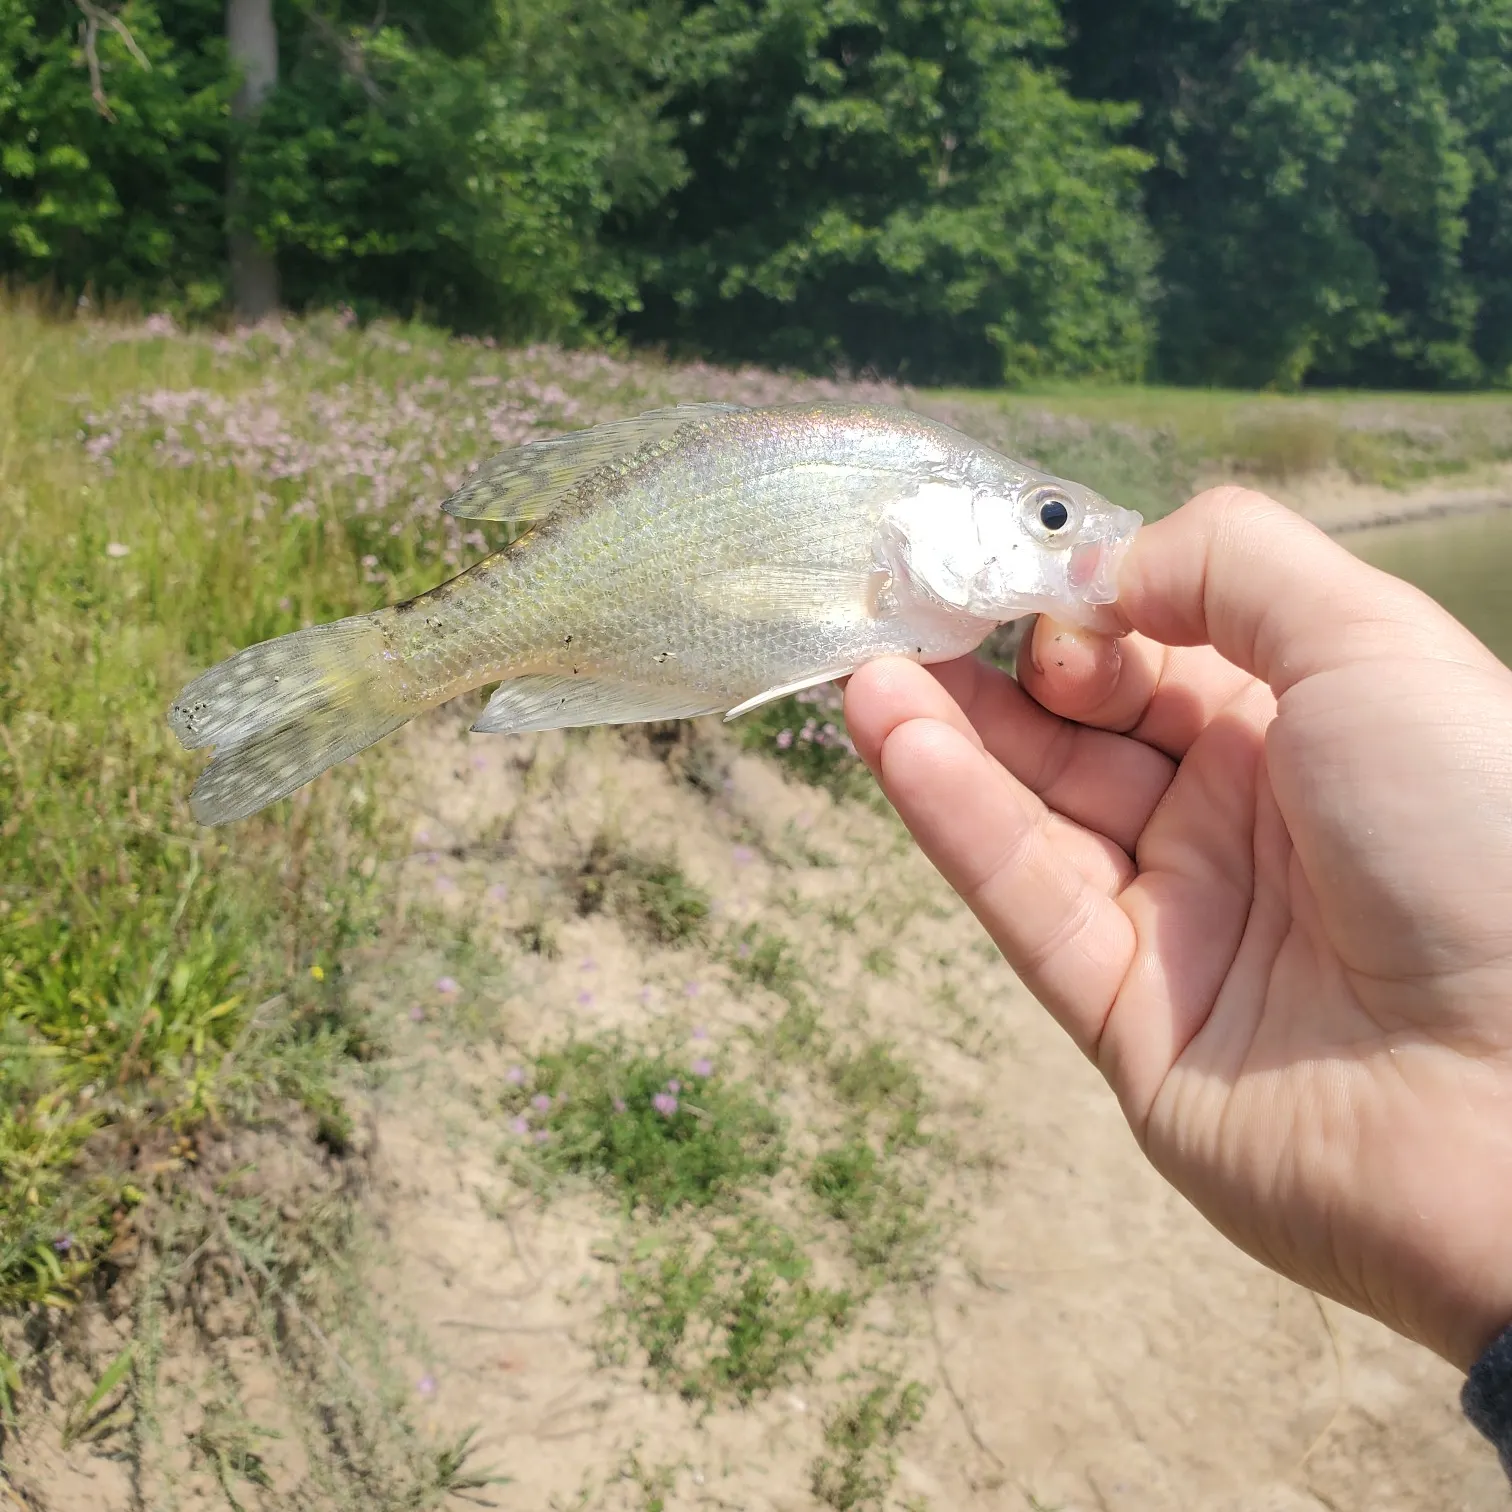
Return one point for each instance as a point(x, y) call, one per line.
point(1092, 572)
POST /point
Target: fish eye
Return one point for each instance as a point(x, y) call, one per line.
point(1050, 516)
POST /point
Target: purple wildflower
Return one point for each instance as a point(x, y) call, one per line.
point(63, 1243)
point(700, 1032)
point(665, 1104)
point(619, 1104)
point(784, 740)
point(674, 1086)
point(520, 1125)
point(542, 1136)
point(743, 855)
point(426, 1385)
point(702, 1067)
point(447, 986)
point(416, 1013)
point(541, 1102)
point(515, 1075)
point(585, 997)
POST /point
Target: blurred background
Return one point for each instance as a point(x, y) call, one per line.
point(979, 191)
point(630, 1119)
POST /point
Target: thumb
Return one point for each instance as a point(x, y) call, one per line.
point(1274, 595)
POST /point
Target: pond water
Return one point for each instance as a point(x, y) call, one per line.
point(1464, 562)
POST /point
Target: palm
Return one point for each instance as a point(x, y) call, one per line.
point(1224, 908)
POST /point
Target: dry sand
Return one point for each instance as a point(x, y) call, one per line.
point(1089, 1343)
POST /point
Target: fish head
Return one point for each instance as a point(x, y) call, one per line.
point(1020, 542)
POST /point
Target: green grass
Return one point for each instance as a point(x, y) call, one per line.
point(728, 1313)
point(860, 1463)
point(154, 976)
point(879, 1091)
point(887, 1232)
point(661, 1134)
point(1148, 448)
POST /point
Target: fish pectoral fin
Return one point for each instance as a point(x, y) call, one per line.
point(793, 591)
point(786, 689)
point(558, 702)
point(528, 482)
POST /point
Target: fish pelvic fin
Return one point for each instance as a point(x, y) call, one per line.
point(813, 680)
point(280, 713)
point(530, 481)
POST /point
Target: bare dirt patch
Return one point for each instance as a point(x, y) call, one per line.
point(1086, 1341)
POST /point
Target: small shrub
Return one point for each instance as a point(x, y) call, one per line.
point(650, 892)
point(1284, 444)
point(806, 734)
point(730, 1315)
point(766, 959)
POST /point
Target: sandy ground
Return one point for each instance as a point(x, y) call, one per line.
point(1090, 1343)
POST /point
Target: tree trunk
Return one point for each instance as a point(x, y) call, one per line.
point(253, 40)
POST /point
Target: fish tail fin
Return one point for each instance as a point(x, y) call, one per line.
point(282, 712)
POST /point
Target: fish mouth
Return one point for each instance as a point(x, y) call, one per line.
point(1092, 572)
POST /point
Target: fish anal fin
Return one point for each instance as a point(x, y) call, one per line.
point(529, 482)
point(560, 702)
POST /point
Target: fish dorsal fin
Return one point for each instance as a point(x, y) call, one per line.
point(528, 482)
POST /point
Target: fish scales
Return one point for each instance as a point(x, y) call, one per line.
point(724, 555)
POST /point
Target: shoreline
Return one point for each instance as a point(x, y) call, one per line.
point(1340, 506)
point(1427, 509)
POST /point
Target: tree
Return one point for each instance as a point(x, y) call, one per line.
point(252, 46)
point(893, 184)
point(459, 160)
point(111, 172)
point(1315, 169)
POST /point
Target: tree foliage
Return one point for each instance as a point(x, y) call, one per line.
point(129, 202)
point(900, 184)
point(1265, 192)
point(1330, 188)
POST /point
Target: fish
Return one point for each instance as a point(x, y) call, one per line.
point(693, 560)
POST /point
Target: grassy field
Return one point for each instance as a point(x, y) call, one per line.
point(170, 994)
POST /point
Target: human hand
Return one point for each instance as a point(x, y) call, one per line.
point(1256, 858)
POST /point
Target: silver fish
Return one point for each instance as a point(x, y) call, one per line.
point(695, 560)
